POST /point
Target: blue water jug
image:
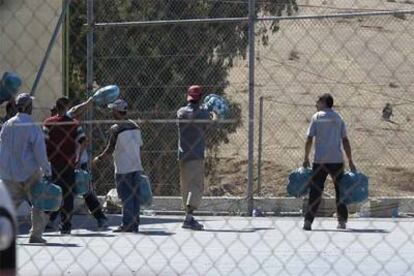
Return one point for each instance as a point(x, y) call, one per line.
point(217, 104)
point(46, 196)
point(353, 187)
point(82, 179)
point(106, 95)
point(9, 85)
point(145, 192)
point(298, 182)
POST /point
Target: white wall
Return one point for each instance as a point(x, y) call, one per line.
point(26, 27)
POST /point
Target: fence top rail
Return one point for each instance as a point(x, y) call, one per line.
point(245, 19)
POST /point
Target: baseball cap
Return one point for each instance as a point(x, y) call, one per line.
point(24, 99)
point(119, 105)
point(194, 93)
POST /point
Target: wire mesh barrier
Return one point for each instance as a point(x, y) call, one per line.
point(266, 66)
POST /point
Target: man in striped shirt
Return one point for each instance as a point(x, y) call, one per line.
point(63, 135)
point(124, 143)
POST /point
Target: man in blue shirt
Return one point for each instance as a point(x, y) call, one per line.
point(22, 159)
point(193, 121)
point(328, 129)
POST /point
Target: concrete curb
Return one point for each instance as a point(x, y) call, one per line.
point(273, 206)
point(286, 206)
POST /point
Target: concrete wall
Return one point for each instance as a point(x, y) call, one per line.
point(26, 27)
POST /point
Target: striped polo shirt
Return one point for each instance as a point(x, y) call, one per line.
point(62, 134)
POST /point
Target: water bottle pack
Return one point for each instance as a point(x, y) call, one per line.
point(145, 192)
point(46, 196)
point(106, 95)
point(298, 182)
point(9, 85)
point(82, 179)
point(353, 187)
point(217, 104)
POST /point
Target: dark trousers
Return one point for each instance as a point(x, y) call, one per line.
point(91, 200)
point(319, 174)
point(64, 177)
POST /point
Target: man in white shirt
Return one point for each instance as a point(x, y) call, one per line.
point(124, 144)
point(23, 158)
point(328, 129)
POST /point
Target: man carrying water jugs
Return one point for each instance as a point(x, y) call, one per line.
point(329, 131)
point(22, 157)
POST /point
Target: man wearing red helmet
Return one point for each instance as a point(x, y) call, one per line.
point(193, 121)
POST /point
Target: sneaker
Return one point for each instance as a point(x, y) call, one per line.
point(102, 222)
point(65, 231)
point(341, 225)
point(122, 229)
point(192, 224)
point(307, 225)
point(34, 239)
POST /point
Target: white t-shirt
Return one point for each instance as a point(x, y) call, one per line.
point(126, 142)
point(329, 129)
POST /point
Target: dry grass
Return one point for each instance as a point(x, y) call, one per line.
point(364, 63)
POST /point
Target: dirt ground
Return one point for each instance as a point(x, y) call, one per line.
point(365, 62)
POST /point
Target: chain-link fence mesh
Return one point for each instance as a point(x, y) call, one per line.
point(364, 60)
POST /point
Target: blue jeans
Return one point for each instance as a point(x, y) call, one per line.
point(127, 186)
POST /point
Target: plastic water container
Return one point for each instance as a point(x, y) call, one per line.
point(9, 85)
point(217, 104)
point(298, 182)
point(145, 192)
point(82, 179)
point(46, 196)
point(353, 187)
point(106, 95)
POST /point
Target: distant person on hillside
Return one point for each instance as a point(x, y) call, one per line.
point(192, 126)
point(328, 129)
point(387, 112)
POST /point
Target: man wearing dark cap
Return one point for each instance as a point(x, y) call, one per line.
point(63, 136)
point(91, 199)
point(328, 129)
point(125, 142)
point(192, 123)
point(23, 159)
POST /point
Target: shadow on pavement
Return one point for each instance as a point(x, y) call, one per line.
point(351, 230)
point(87, 222)
point(52, 244)
point(245, 230)
point(155, 233)
point(85, 235)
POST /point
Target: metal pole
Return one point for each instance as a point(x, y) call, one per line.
point(50, 47)
point(89, 70)
point(260, 149)
point(251, 37)
point(66, 54)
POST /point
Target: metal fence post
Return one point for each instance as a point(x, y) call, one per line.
point(260, 149)
point(89, 70)
point(251, 37)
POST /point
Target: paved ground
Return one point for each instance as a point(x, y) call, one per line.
point(228, 246)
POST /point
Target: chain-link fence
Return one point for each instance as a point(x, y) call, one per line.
point(155, 50)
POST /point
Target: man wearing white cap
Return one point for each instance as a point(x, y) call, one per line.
point(124, 144)
point(22, 159)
